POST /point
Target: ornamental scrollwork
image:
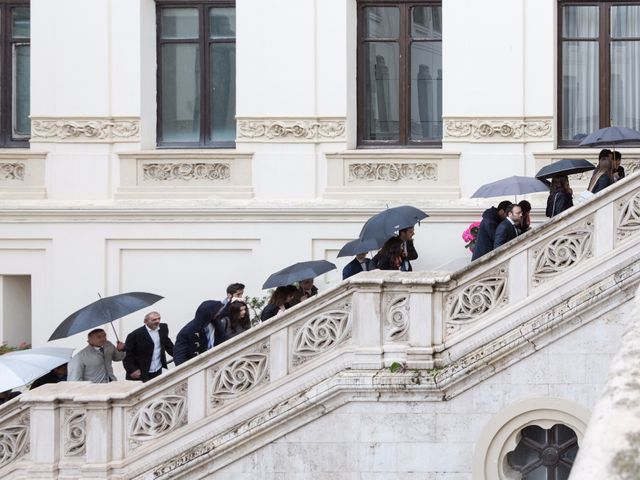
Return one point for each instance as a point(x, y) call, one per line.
point(300, 130)
point(562, 253)
point(185, 171)
point(474, 300)
point(158, 416)
point(396, 326)
point(240, 375)
point(109, 129)
point(498, 128)
point(321, 333)
point(14, 440)
point(629, 217)
point(392, 172)
point(75, 432)
point(12, 171)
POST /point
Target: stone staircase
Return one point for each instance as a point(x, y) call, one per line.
point(414, 337)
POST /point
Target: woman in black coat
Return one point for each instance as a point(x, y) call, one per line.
point(233, 323)
point(390, 255)
point(279, 302)
point(560, 196)
point(602, 177)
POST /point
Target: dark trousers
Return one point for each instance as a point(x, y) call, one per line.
point(153, 375)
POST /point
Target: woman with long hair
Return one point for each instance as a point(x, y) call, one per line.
point(602, 176)
point(560, 196)
point(279, 301)
point(234, 321)
point(525, 222)
point(390, 255)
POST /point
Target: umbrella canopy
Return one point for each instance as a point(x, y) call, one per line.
point(297, 272)
point(22, 367)
point(384, 225)
point(104, 311)
point(611, 136)
point(357, 246)
point(566, 166)
point(511, 186)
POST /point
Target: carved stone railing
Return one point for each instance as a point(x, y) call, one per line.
point(446, 330)
point(14, 435)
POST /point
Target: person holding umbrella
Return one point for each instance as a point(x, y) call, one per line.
point(390, 256)
point(409, 252)
point(618, 169)
point(94, 362)
point(280, 300)
point(560, 196)
point(360, 263)
point(601, 178)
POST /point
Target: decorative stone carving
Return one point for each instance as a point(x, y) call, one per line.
point(396, 327)
point(562, 252)
point(315, 129)
point(12, 171)
point(14, 440)
point(158, 416)
point(629, 216)
point(75, 432)
point(186, 171)
point(498, 129)
point(321, 333)
point(240, 374)
point(392, 172)
point(89, 129)
point(482, 295)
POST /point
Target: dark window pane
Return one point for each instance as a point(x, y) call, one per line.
point(180, 69)
point(179, 23)
point(382, 108)
point(382, 22)
point(21, 123)
point(580, 22)
point(580, 84)
point(20, 24)
point(625, 21)
point(222, 22)
point(625, 84)
point(223, 98)
point(426, 91)
point(426, 22)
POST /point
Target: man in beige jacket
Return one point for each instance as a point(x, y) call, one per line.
point(94, 362)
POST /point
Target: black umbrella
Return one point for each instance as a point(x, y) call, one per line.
point(511, 186)
point(354, 247)
point(384, 225)
point(297, 272)
point(566, 166)
point(610, 136)
point(102, 311)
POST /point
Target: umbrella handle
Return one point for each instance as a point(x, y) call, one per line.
point(114, 330)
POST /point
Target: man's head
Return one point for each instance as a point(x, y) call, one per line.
point(514, 212)
point(152, 320)
point(361, 256)
point(235, 290)
point(502, 206)
point(407, 233)
point(60, 371)
point(97, 337)
point(617, 159)
point(605, 153)
point(306, 284)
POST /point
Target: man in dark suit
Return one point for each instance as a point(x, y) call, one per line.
point(197, 336)
point(147, 349)
point(410, 252)
point(359, 264)
point(491, 218)
point(508, 228)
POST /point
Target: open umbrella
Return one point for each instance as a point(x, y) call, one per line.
point(24, 366)
point(105, 310)
point(611, 136)
point(354, 247)
point(384, 225)
point(297, 272)
point(566, 166)
point(511, 186)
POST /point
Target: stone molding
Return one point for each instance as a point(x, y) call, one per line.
point(392, 172)
point(302, 129)
point(186, 171)
point(22, 174)
point(12, 171)
point(85, 129)
point(498, 129)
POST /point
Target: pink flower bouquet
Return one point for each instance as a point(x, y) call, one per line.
point(470, 235)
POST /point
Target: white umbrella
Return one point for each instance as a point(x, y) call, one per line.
point(24, 366)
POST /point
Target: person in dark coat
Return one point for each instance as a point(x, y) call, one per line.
point(233, 323)
point(409, 251)
point(57, 375)
point(560, 196)
point(508, 228)
point(525, 222)
point(602, 177)
point(147, 349)
point(618, 170)
point(491, 218)
point(280, 299)
point(360, 263)
point(307, 289)
point(390, 256)
point(197, 336)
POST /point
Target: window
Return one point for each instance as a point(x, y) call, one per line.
point(598, 66)
point(400, 73)
point(15, 32)
point(196, 73)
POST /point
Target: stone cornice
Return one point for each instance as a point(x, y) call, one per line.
point(291, 129)
point(85, 129)
point(498, 129)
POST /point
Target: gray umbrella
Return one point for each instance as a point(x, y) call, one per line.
point(384, 225)
point(297, 272)
point(354, 247)
point(610, 136)
point(566, 166)
point(511, 186)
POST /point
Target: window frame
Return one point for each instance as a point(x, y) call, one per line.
point(203, 41)
point(404, 41)
point(6, 74)
point(604, 60)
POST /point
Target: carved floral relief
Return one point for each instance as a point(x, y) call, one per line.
point(498, 129)
point(186, 171)
point(12, 171)
point(628, 216)
point(98, 129)
point(396, 326)
point(294, 129)
point(392, 172)
point(14, 440)
point(75, 432)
